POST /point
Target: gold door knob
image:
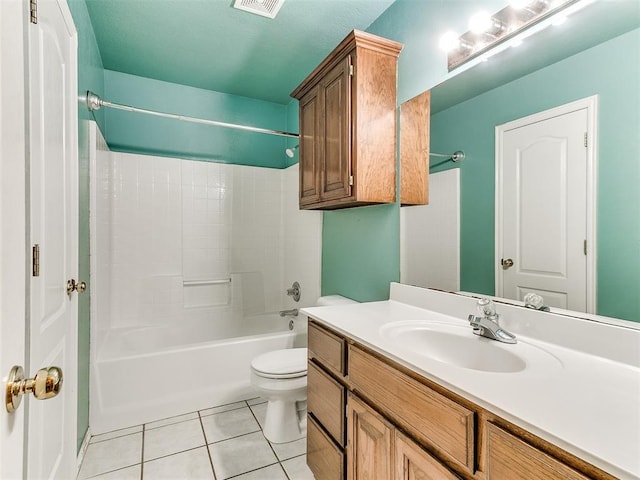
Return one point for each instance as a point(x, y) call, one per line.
point(506, 264)
point(77, 286)
point(46, 384)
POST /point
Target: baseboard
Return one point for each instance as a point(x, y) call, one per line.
point(83, 450)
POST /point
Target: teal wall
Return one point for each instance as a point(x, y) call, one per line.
point(89, 78)
point(612, 71)
point(139, 133)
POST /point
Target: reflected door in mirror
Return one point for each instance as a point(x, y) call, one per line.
point(544, 210)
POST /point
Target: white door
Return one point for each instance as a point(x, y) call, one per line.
point(52, 221)
point(543, 173)
point(13, 241)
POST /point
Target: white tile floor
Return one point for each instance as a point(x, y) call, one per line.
point(217, 443)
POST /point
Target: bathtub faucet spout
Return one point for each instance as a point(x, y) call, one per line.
point(289, 313)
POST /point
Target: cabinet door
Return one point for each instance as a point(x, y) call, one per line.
point(413, 463)
point(369, 443)
point(310, 147)
point(335, 90)
point(510, 457)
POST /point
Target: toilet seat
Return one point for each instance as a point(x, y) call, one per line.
point(286, 363)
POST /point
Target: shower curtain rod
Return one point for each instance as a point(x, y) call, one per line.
point(94, 102)
point(457, 156)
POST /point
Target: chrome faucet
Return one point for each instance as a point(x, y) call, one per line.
point(289, 313)
point(487, 325)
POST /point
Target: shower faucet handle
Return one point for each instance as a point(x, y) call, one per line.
point(294, 291)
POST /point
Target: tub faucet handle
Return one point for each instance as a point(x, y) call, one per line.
point(294, 291)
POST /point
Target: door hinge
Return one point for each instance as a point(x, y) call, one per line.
point(33, 7)
point(351, 70)
point(35, 260)
point(351, 180)
point(586, 139)
point(584, 247)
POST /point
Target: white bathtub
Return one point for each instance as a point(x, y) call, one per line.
point(146, 374)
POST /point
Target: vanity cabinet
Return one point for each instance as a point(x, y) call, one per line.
point(399, 425)
point(347, 114)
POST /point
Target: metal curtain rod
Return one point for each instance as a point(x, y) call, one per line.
point(456, 156)
point(94, 102)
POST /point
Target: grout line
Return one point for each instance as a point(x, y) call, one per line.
point(233, 438)
point(110, 471)
point(284, 470)
point(151, 427)
point(142, 454)
point(206, 445)
point(255, 470)
point(223, 411)
point(92, 441)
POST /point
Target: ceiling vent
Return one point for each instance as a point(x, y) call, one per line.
point(265, 8)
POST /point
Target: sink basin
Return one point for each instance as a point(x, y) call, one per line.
point(456, 345)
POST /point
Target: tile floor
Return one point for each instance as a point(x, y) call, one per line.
point(218, 443)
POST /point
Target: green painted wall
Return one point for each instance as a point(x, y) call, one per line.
point(361, 252)
point(90, 77)
point(612, 71)
point(139, 133)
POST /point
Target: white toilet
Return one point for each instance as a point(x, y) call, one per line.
point(280, 377)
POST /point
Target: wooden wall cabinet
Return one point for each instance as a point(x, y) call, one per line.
point(415, 120)
point(400, 426)
point(347, 109)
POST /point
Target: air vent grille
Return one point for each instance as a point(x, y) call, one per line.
point(265, 8)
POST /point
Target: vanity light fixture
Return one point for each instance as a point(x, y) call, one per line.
point(486, 32)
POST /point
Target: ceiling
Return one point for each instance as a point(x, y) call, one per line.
point(208, 44)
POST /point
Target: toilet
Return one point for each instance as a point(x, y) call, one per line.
point(280, 376)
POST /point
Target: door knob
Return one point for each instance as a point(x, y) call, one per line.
point(506, 264)
point(77, 286)
point(46, 384)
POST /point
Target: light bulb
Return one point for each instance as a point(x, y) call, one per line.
point(449, 41)
point(518, 4)
point(558, 19)
point(480, 22)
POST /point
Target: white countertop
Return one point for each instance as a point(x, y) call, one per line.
point(584, 403)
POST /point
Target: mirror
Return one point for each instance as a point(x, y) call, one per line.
point(596, 55)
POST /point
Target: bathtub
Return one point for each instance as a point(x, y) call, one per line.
point(146, 374)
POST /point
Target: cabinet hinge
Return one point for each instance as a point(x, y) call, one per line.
point(351, 180)
point(35, 260)
point(33, 8)
point(351, 70)
point(584, 247)
point(586, 139)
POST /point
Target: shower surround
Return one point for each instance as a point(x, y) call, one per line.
point(189, 267)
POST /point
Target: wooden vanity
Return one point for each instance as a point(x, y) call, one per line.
point(370, 417)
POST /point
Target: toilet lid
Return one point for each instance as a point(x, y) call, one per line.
point(287, 363)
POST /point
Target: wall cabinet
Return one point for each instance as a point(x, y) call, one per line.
point(347, 109)
point(399, 425)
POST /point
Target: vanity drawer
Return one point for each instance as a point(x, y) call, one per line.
point(325, 460)
point(327, 348)
point(438, 422)
point(326, 401)
point(510, 457)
